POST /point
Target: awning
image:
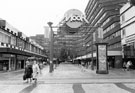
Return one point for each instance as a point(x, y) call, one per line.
point(109, 53)
point(19, 52)
point(114, 53)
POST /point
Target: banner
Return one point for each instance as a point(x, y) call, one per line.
point(47, 32)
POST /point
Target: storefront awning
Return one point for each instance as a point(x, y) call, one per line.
point(114, 53)
point(19, 52)
point(109, 53)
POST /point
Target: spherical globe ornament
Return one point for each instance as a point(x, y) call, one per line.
point(74, 18)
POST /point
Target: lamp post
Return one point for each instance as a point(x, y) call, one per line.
point(93, 40)
point(92, 64)
point(51, 47)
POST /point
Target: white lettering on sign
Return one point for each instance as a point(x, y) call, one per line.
point(73, 18)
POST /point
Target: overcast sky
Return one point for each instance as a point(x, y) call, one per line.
point(30, 16)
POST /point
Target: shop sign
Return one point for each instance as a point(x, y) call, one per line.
point(74, 18)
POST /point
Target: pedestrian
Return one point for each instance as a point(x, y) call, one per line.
point(36, 70)
point(109, 64)
point(40, 67)
point(86, 64)
point(82, 65)
point(28, 72)
point(124, 65)
point(128, 65)
point(79, 62)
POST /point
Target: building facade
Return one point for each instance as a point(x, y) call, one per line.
point(105, 14)
point(65, 42)
point(128, 32)
point(15, 48)
point(40, 39)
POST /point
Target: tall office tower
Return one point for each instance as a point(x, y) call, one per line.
point(106, 14)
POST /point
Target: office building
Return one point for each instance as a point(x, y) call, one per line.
point(128, 32)
point(105, 14)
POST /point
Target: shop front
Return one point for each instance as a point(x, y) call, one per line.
point(129, 53)
point(3, 64)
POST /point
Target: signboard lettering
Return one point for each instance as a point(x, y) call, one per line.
point(74, 18)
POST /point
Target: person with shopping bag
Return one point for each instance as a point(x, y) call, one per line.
point(28, 72)
point(36, 70)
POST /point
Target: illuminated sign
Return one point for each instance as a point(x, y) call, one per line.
point(74, 18)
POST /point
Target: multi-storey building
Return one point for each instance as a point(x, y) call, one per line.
point(66, 42)
point(40, 39)
point(128, 32)
point(15, 48)
point(106, 14)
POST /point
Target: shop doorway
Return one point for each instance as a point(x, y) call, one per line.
point(111, 61)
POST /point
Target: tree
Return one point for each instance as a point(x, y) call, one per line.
point(63, 54)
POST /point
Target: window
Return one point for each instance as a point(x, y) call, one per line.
point(123, 32)
point(110, 27)
point(116, 45)
point(114, 35)
point(122, 18)
point(105, 22)
point(5, 37)
point(94, 36)
point(13, 40)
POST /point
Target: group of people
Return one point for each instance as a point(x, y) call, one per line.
point(127, 65)
point(31, 72)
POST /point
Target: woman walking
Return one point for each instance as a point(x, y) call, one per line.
point(36, 70)
point(28, 71)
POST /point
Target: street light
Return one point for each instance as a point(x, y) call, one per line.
point(86, 46)
point(51, 47)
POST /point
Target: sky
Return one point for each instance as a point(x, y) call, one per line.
point(30, 16)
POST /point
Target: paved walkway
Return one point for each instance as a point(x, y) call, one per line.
point(68, 78)
point(75, 71)
point(114, 73)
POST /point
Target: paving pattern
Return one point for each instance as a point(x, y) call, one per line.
point(68, 78)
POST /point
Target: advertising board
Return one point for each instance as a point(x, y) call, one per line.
point(102, 65)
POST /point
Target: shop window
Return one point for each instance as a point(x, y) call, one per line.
point(129, 51)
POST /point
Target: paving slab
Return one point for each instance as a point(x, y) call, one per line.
point(68, 78)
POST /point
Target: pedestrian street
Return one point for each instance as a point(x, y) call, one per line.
point(69, 78)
